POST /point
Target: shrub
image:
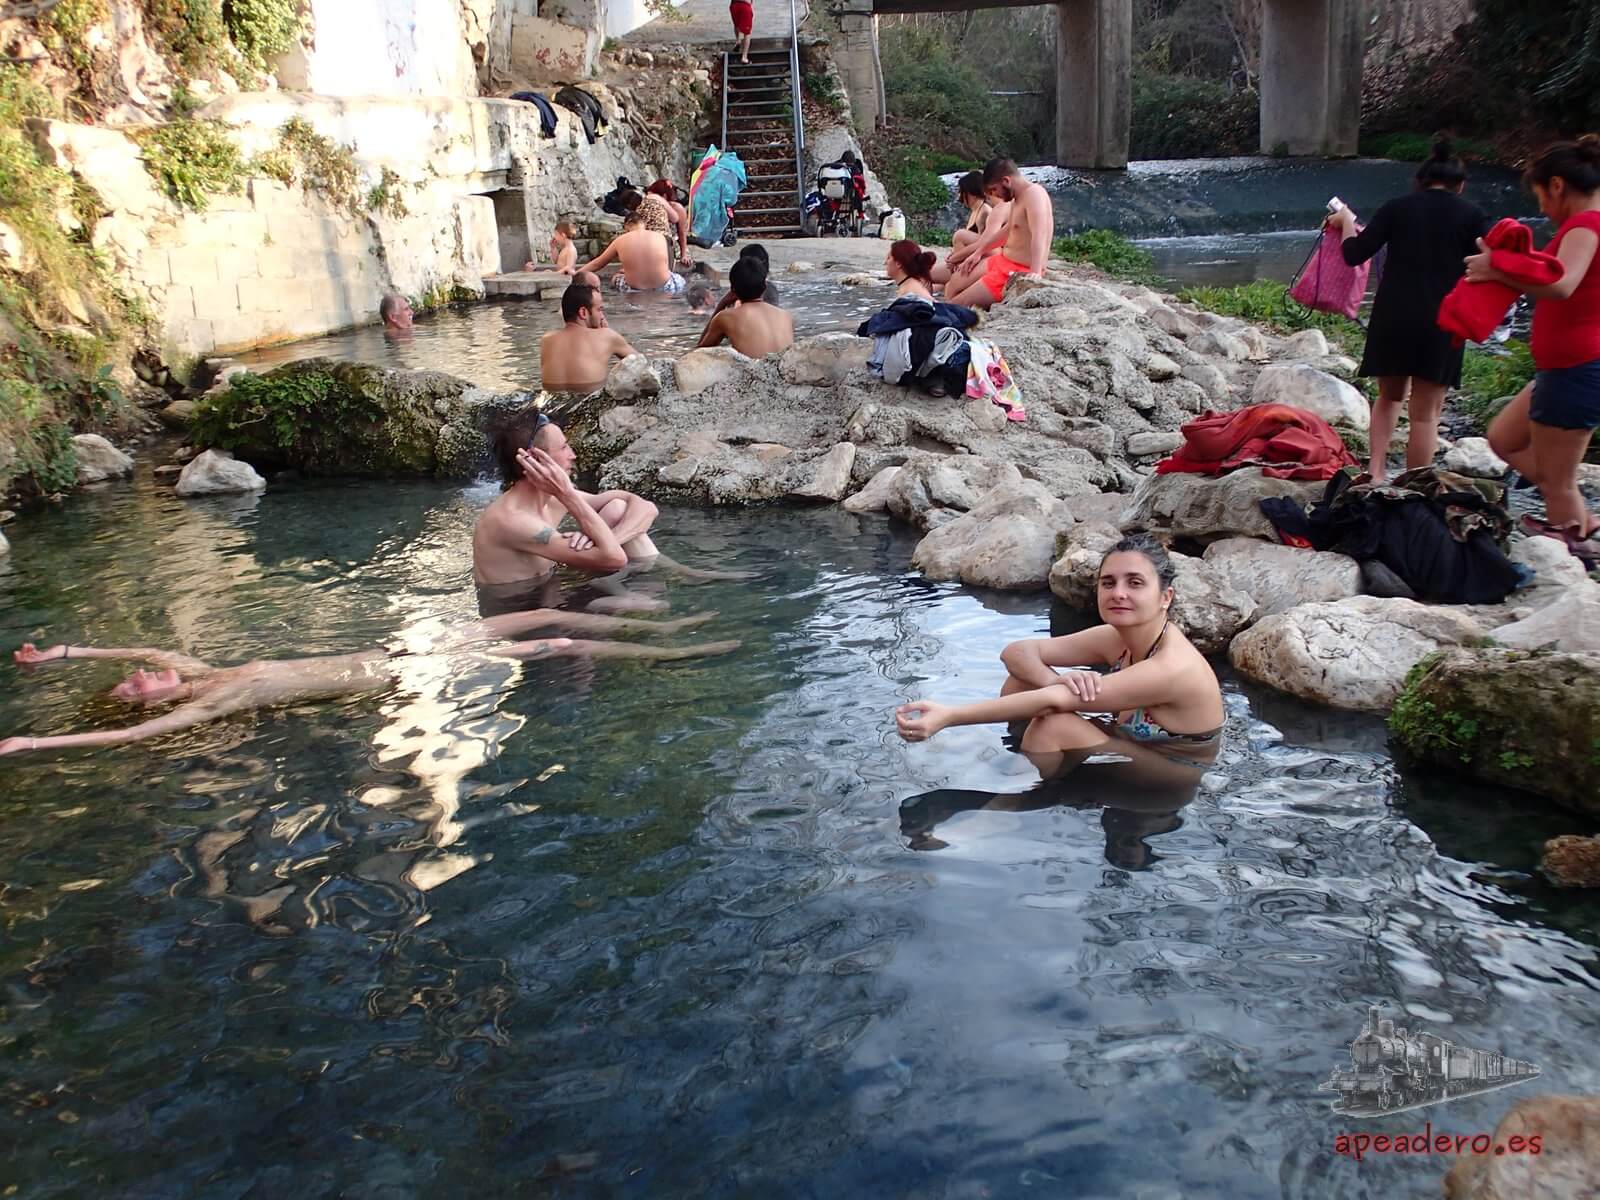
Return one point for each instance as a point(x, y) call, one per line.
point(262, 29)
point(1417, 147)
point(911, 176)
point(1111, 252)
point(192, 31)
point(1175, 116)
point(191, 158)
point(1489, 377)
point(823, 87)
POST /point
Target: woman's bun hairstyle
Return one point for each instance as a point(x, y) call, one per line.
point(1577, 163)
point(1442, 167)
point(913, 259)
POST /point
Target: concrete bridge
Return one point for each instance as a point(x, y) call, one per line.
point(1310, 73)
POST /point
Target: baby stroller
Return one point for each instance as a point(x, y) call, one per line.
point(839, 205)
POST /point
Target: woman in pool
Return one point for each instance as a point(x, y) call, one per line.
point(1167, 704)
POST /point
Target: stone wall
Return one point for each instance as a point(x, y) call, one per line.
point(274, 263)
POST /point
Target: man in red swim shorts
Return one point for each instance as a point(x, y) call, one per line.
point(1026, 234)
point(744, 18)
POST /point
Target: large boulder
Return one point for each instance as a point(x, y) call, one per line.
point(825, 359)
point(1529, 721)
point(1303, 386)
point(322, 417)
point(1007, 541)
point(874, 496)
point(700, 369)
point(1308, 343)
point(1279, 577)
point(217, 473)
point(829, 475)
point(1473, 456)
point(98, 460)
point(921, 489)
point(1570, 623)
point(1182, 505)
point(1208, 610)
point(1567, 1166)
point(633, 378)
point(1572, 861)
point(1351, 654)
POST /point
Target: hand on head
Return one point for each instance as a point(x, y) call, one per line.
point(539, 469)
point(919, 720)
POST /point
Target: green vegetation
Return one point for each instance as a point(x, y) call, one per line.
point(928, 235)
point(823, 87)
point(1488, 378)
point(385, 198)
point(1179, 116)
point(1417, 147)
point(66, 24)
point(911, 177)
point(192, 159)
point(322, 165)
point(192, 31)
point(262, 29)
point(1264, 302)
point(1111, 252)
point(60, 315)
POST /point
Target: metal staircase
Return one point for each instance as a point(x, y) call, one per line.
point(762, 124)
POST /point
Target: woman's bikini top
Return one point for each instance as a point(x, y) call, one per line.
point(1138, 724)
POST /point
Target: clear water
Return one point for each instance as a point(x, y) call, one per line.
point(496, 343)
point(388, 949)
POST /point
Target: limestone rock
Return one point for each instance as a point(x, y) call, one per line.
point(1308, 343)
point(1159, 367)
point(14, 254)
point(1181, 505)
point(1099, 508)
point(1098, 438)
point(1127, 383)
point(800, 267)
point(1279, 577)
point(830, 477)
point(1172, 323)
point(98, 459)
point(626, 421)
point(951, 482)
point(1528, 721)
point(1212, 381)
point(1472, 456)
point(1254, 341)
point(1157, 441)
point(5, 546)
point(217, 473)
point(1214, 343)
point(874, 497)
point(1007, 541)
point(859, 279)
point(1589, 476)
point(1555, 571)
point(1206, 608)
point(632, 379)
point(1572, 861)
point(179, 414)
point(1566, 1168)
point(825, 359)
point(167, 473)
point(680, 473)
point(1571, 623)
point(700, 369)
point(1303, 386)
point(1351, 654)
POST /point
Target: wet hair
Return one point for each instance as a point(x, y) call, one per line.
point(567, 227)
point(913, 259)
point(970, 184)
point(663, 188)
point(577, 296)
point(849, 156)
point(633, 218)
point(748, 278)
point(1578, 163)
point(699, 293)
point(511, 434)
point(1443, 168)
point(391, 303)
point(1154, 551)
point(998, 170)
point(756, 251)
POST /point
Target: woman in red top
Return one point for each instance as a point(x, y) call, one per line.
point(1545, 430)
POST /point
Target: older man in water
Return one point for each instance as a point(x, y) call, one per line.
point(205, 693)
point(576, 357)
point(394, 310)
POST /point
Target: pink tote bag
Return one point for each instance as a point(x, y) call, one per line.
point(1327, 283)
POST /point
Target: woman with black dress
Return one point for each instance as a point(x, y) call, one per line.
point(1429, 234)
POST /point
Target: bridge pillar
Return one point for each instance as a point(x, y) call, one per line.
point(858, 62)
point(1311, 52)
point(1094, 82)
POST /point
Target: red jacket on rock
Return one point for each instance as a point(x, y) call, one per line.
point(1285, 442)
point(1473, 311)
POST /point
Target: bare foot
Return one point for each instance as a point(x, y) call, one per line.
point(621, 604)
point(683, 623)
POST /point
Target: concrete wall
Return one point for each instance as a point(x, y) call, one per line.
point(1311, 58)
point(385, 48)
point(1094, 82)
point(276, 263)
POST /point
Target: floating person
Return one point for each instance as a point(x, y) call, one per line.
point(394, 310)
point(1165, 697)
point(643, 258)
point(205, 693)
point(516, 546)
point(752, 326)
point(576, 357)
point(1025, 235)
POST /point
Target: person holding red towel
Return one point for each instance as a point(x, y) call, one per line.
point(1546, 429)
point(1427, 232)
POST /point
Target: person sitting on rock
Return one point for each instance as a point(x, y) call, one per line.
point(516, 547)
point(1024, 237)
point(206, 693)
point(576, 357)
point(1164, 697)
point(563, 251)
point(643, 256)
point(753, 327)
point(394, 310)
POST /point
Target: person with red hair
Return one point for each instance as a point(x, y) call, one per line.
point(917, 339)
point(678, 217)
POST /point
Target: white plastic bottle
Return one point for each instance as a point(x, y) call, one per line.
point(892, 226)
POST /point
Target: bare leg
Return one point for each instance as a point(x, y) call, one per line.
point(589, 649)
point(509, 625)
point(1423, 408)
point(976, 295)
point(1385, 415)
point(1511, 438)
point(1558, 453)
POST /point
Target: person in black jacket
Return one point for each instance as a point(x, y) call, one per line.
point(1429, 234)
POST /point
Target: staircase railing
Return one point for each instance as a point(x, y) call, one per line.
point(799, 117)
point(725, 100)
